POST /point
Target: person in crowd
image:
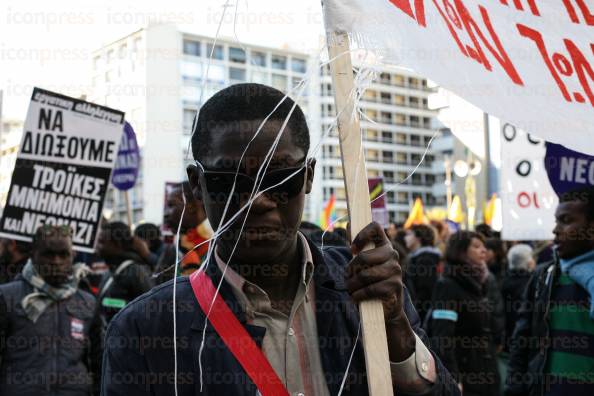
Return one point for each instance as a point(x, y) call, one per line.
point(496, 260)
point(442, 234)
point(292, 307)
point(128, 276)
point(148, 244)
point(552, 349)
point(49, 337)
point(194, 228)
point(460, 322)
point(520, 265)
point(422, 265)
point(391, 231)
point(13, 257)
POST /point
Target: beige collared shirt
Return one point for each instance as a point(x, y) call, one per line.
point(291, 342)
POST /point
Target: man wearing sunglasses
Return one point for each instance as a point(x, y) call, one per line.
point(282, 315)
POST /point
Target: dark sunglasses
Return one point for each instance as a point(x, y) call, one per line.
point(287, 182)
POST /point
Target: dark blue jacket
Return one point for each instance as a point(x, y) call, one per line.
point(139, 354)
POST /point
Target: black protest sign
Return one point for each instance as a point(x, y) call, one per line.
point(63, 168)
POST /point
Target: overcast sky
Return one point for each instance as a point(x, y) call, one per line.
point(49, 44)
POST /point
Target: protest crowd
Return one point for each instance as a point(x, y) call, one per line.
point(465, 311)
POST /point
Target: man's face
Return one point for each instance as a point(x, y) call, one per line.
point(274, 217)
point(53, 259)
point(106, 246)
point(193, 214)
point(574, 231)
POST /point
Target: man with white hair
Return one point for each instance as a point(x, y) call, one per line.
point(521, 263)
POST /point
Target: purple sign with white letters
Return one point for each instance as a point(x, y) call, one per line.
point(125, 171)
point(567, 169)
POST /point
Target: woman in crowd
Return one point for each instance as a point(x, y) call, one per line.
point(461, 322)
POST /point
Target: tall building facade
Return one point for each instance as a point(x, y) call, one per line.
point(11, 132)
point(160, 76)
point(397, 126)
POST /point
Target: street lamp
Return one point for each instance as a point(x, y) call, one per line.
point(469, 169)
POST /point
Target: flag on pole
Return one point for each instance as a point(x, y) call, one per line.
point(489, 212)
point(455, 213)
point(417, 215)
point(328, 214)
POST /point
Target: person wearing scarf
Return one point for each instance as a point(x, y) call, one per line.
point(460, 322)
point(47, 324)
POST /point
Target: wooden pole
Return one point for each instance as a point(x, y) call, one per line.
point(373, 325)
point(128, 208)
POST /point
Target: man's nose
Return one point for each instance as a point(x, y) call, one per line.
point(263, 203)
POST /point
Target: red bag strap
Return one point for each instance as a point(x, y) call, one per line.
point(234, 335)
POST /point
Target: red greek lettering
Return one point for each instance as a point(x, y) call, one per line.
point(586, 14)
point(535, 36)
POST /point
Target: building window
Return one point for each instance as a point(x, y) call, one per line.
point(279, 62)
point(401, 158)
point(401, 138)
point(413, 82)
point(387, 137)
point(258, 58)
point(386, 117)
point(371, 135)
point(298, 65)
point(415, 140)
point(217, 53)
point(328, 110)
point(387, 156)
point(188, 121)
point(426, 122)
point(259, 77)
point(389, 176)
point(192, 47)
point(386, 97)
point(236, 74)
point(295, 81)
point(369, 95)
point(390, 197)
point(236, 55)
point(385, 78)
point(279, 82)
point(371, 155)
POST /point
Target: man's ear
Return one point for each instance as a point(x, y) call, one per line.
point(194, 180)
point(311, 166)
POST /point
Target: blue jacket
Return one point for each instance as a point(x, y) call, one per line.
point(139, 353)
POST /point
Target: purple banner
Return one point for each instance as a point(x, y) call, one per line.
point(125, 171)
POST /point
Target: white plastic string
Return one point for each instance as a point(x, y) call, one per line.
point(348, 367)
point(204, 80)
point(259, 179)
point(224, 226)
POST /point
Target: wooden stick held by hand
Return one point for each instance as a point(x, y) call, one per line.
point(375, 342)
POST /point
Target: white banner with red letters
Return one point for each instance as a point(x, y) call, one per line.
point(530, 62)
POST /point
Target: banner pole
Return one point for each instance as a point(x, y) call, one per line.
point(375, 342)
point(128, 208)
